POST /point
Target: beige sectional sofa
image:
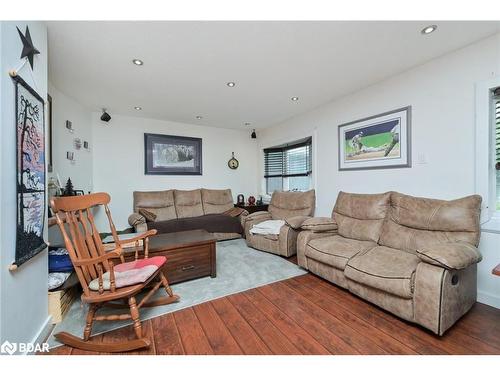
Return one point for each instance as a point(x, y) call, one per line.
point(294, 208)
point(414, 257)
point(188, 206)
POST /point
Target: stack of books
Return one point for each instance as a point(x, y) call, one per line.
point(109, 241)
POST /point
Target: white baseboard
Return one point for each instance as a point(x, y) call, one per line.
point(43, 332)
point(488, 299)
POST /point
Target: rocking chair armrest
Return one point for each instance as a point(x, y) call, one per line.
point(140, 236)
point(117, 253)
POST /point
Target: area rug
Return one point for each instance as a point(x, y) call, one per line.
point(239, 268)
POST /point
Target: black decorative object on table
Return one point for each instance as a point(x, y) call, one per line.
point(253, 208)
point(240, 199)
point(29, 49)
point(68, 189)
point(31, 204)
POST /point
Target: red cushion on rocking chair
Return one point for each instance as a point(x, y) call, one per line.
point(130, 273)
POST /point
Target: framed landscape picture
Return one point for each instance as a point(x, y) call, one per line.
point(172, 155)
point(381, 141)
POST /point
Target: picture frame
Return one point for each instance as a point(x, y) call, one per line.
point(376, 142)
point(172, 155)
point(30, 175)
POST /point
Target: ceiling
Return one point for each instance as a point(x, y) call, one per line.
point(187, 64)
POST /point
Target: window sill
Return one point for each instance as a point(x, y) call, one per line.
point(492, 225)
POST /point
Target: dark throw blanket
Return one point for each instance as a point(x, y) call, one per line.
point(213, 223)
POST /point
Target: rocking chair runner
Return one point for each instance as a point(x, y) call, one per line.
point(102, 281)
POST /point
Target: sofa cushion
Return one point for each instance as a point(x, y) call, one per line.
point(361, 216)
point(216, 201)
point(415, 223)
point(130, 273)
point(336, 250)
point(286, 204)
point(410, 239)
point(160, 203)
point(459, 215)
point(384, 268)
point(188, 203)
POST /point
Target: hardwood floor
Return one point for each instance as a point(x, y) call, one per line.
point(305, 315)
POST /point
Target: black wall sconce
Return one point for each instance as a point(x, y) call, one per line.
point(105, 116)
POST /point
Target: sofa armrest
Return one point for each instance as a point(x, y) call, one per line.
point(319, 224)
point(243, 217)
point(450, 255)
point(258, 216)
point(253, 219)
point(296, 222)
point(136, 219)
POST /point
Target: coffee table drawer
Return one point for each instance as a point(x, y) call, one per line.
point(188, 263)
point(190, 254)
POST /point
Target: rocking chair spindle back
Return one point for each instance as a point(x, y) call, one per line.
point(100, 279)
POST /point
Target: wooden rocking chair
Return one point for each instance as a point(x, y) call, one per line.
point(103, 281)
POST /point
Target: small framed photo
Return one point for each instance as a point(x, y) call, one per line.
point(172, 155)
point(376, 142)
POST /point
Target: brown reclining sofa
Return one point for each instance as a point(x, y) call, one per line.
point(414, 257)
point(180, 210)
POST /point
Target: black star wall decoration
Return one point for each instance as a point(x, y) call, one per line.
point(29, 49)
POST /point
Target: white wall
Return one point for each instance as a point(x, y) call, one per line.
point(80, 171)
point(118, 161)
point(441, 94)
point(23, 309)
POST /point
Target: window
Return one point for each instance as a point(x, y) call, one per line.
point(496, 120)
point(288, 167)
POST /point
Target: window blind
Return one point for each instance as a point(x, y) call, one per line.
point(497, 123)
point(290, 160)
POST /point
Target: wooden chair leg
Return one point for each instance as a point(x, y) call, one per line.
point(134, 313)
point(166, 285)
point(89, 322)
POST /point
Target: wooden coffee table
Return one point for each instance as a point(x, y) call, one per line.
point(190, 254)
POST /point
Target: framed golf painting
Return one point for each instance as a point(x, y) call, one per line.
point(376, 142)
point(172, 155)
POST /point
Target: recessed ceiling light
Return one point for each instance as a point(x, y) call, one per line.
point(428, 29)
point(231, 84)
point(138, 62)
point(199, 117)
point(295, 98)
point(138, 108)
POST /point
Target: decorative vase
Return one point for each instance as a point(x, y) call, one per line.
point(240, 199)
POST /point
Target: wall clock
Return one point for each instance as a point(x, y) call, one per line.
point(233, 163)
